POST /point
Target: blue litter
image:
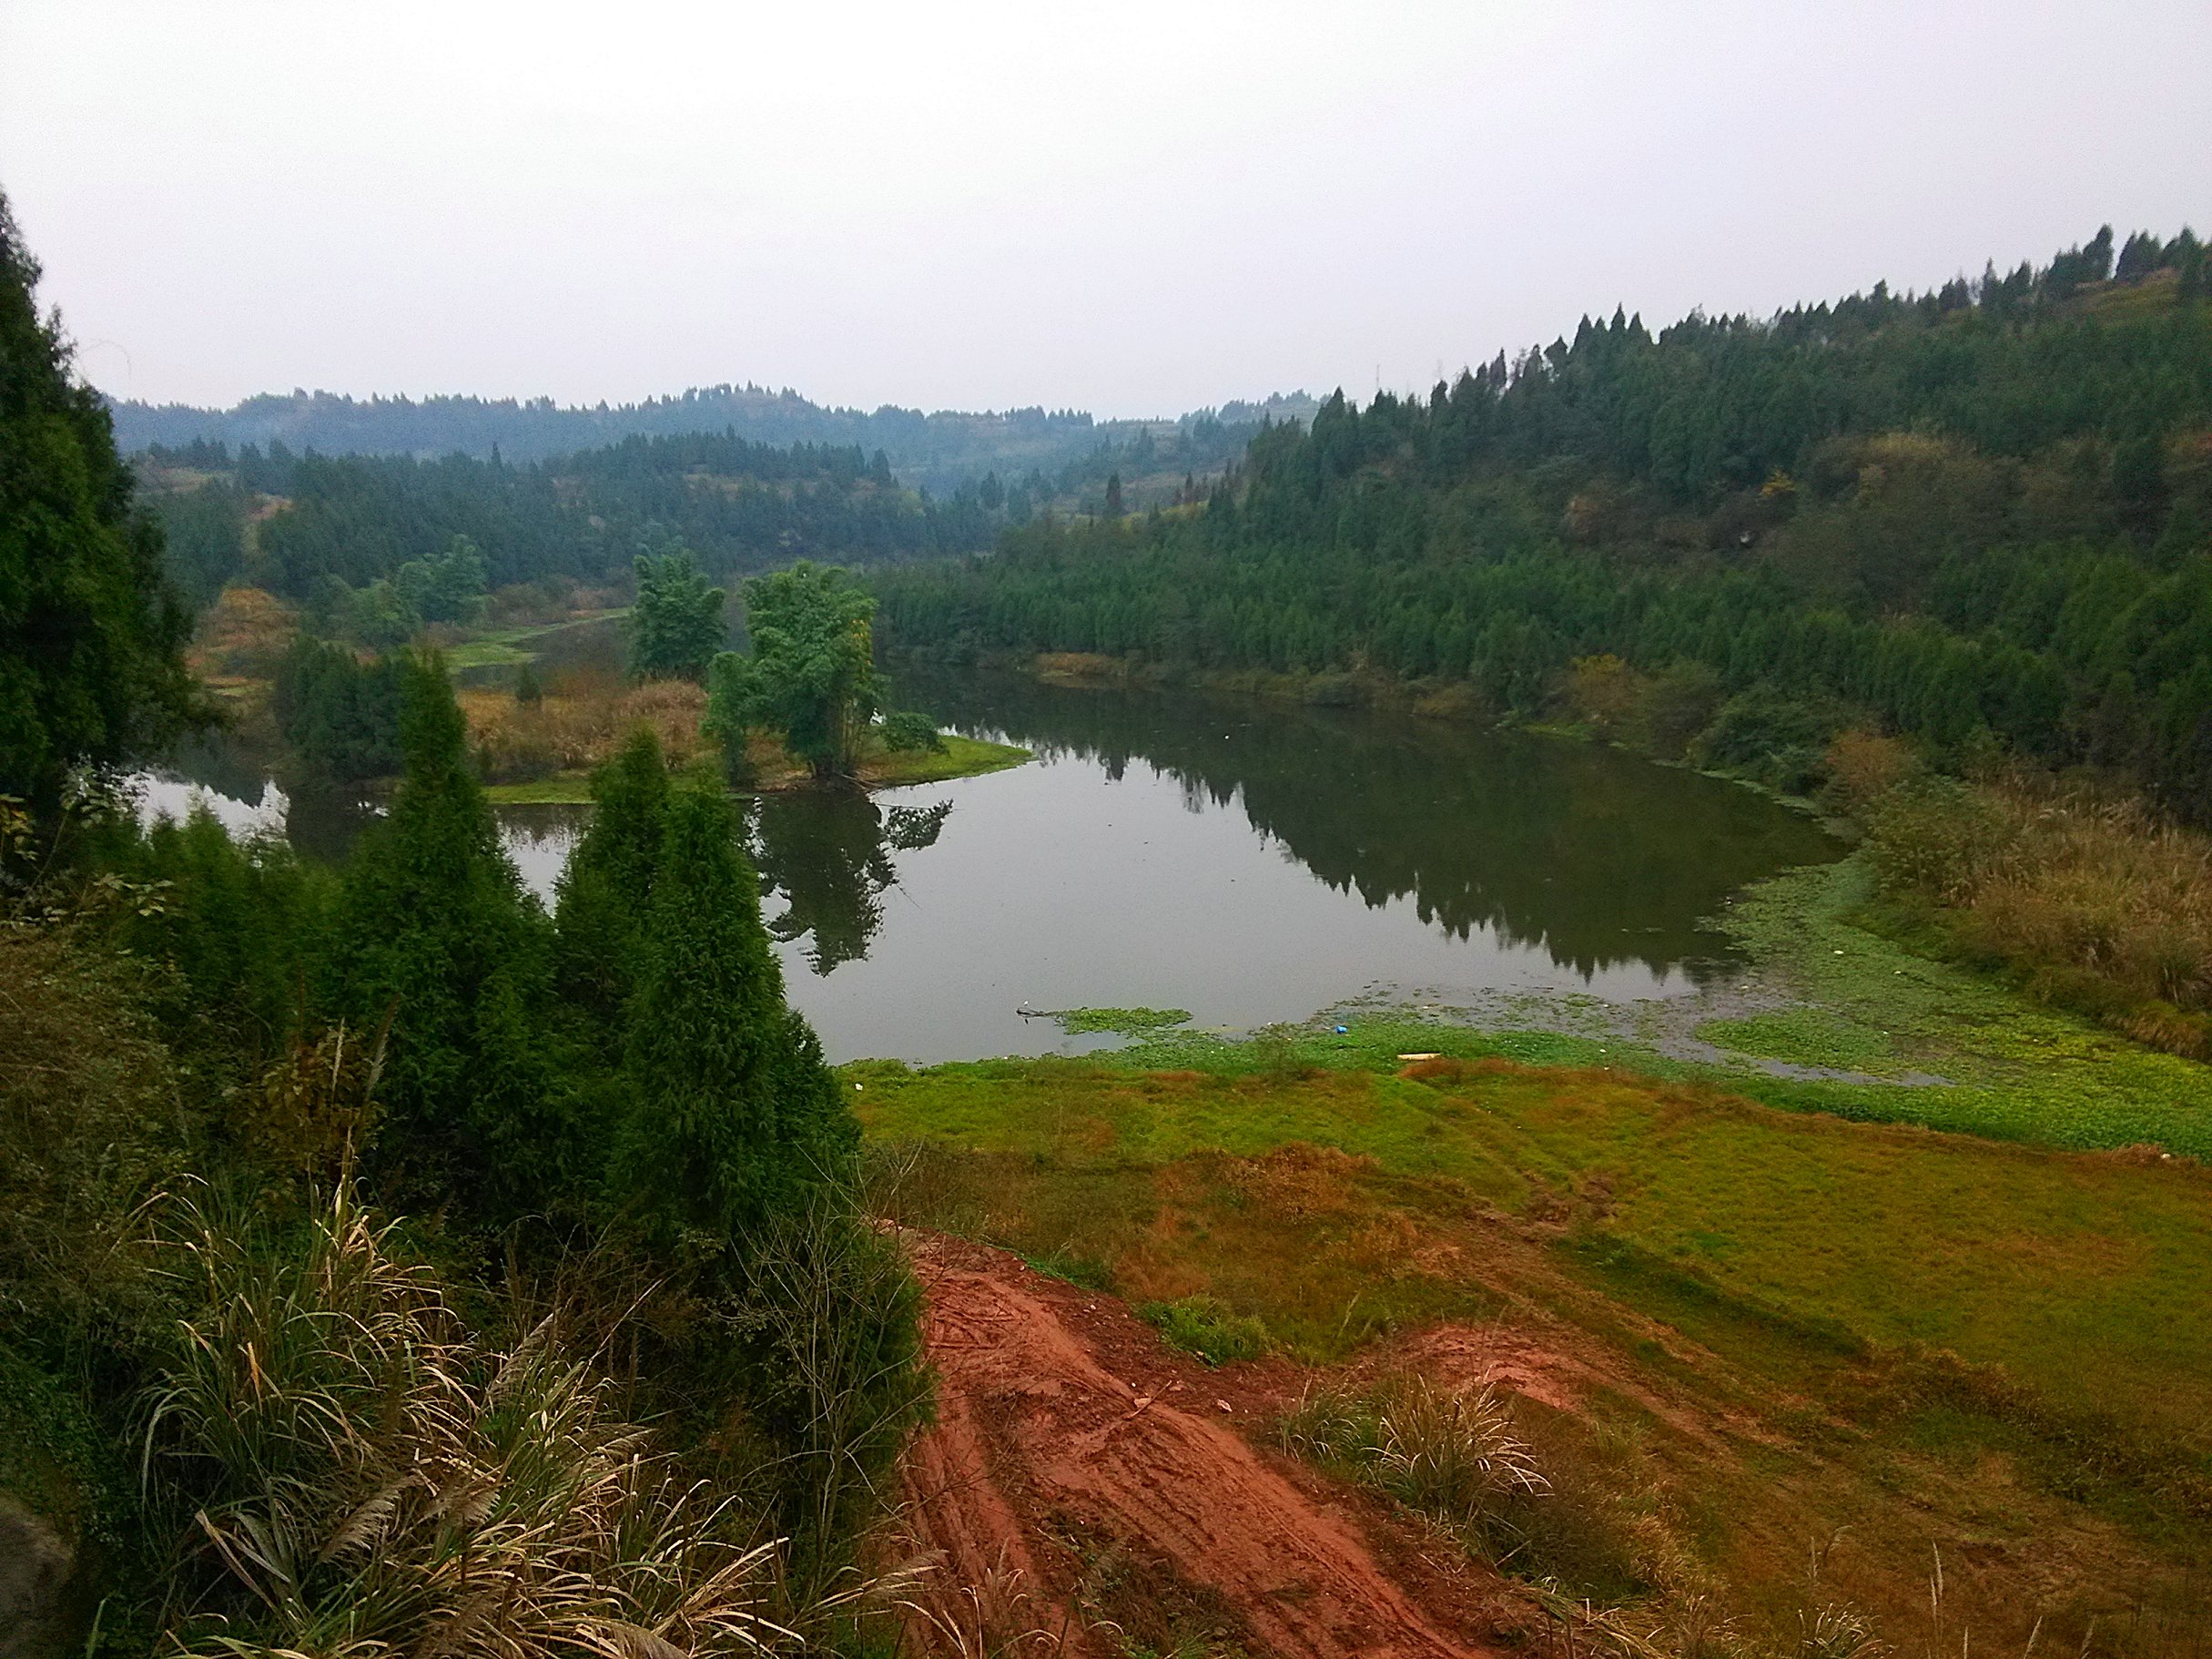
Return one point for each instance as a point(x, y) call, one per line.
point(1341, 1029)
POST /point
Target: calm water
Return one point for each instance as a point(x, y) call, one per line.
point(1248, 862)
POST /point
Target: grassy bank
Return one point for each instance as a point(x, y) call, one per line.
point(961, 757)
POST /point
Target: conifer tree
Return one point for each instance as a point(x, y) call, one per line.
point(91, 636)
point(735, 1116)
point(601, 903)
point(437, 929)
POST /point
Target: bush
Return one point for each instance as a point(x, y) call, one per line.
point(1206, 1325)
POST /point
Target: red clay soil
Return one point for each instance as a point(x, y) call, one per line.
point(1065, 1428)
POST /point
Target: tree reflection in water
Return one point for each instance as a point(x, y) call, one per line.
point(829, 853)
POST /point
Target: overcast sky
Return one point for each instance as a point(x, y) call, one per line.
point(1137, 209)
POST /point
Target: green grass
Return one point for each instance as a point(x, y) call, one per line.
point(2019, 1071)
point(1207, 1328)
point(506, 647)
point(2082, 1276)
point(962, 758)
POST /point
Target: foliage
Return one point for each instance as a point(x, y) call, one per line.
point(360, 1470)
point(90, 1128)
point(1127, 1022)
point(810, 678)
point(1981, 519)
point(362, 540)
point(340, 716)
point(735, 1116)
point(1207, 1327)
point(603, 899)
point(435, 933)
point(91, 635)
point(233, 935)
point(676, 626)
point(830, 1318)
point(447, 586)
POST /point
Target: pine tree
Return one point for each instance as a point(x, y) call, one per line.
point(601, 903)
point(736, 1116)
point(436, 929)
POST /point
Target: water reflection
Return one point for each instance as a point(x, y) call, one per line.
point(829, 853)
point(1249, 862)
point(1592, 856)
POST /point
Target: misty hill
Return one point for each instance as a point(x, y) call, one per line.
point(1981, 516)
point(936, 451)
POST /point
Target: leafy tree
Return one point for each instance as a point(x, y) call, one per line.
point(736, 1117)
point(676, 625)
point(811, 677)
point(447, 586)
point(436, 931)
point(91, 635)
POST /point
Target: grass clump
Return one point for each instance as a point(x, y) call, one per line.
point(1208, 1328)
point(361, 1472)
point(1454, 1454)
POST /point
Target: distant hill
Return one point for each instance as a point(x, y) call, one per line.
point(933, 451)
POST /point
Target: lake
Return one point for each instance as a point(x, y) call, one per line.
point(1248, 861)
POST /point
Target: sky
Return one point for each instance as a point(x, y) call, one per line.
point(1135, 209)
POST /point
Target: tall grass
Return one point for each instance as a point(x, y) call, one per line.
point(2095, 903)
point(1453, 1453)
point(360, 1477)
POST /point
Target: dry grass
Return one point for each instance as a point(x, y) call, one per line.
point(2098, 902)
point(1454, 1453)
point(364, 1480)
point(580, 722)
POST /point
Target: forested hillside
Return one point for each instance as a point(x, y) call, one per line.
point(935, 451)
point(1981, 516)
point(297, 525)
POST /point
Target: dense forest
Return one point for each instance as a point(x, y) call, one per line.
point(1980, 516)
point(316, 528)
point(936, 451)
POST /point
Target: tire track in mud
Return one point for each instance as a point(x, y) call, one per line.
point(1041, 1425)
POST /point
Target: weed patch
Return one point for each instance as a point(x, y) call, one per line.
point(1208, 1328)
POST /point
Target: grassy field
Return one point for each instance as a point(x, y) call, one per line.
point(1786, 1329)
point(2077, 1274)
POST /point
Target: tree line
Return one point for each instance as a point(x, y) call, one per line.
point(1982, 516)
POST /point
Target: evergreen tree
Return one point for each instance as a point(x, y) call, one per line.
point(736, 1117)
point(607, 889)
point(436, 929)
point(91, 636)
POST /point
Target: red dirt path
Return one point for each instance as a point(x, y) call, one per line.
point(1060, 1415)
